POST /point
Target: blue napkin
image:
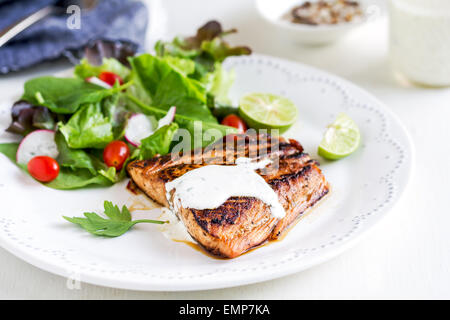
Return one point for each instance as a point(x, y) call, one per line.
point(113, 20)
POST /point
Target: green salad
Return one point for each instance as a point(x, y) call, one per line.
point(77, 131)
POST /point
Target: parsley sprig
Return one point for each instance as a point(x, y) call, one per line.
point(118, 223)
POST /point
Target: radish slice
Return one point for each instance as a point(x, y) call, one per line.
point(98, 82)
point(138, 127)
point(168, 118)
point(37, 143)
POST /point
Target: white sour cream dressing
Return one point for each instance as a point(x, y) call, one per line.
point(208, 187)
point(175, 229)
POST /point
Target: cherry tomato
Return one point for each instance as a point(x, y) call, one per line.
point(115, 154)
point(43, 168)
point(234, 121)
point(110, 78)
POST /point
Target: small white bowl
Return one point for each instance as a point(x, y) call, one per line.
point(274, 10)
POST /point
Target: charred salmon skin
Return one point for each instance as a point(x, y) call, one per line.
point(241, 223)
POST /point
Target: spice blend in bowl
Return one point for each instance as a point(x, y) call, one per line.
point(325, 12)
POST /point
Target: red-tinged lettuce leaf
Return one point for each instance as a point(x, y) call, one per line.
point(220, 50)
point(97, 50)
point(207, 41)
point(27, 117)
point(207, 32)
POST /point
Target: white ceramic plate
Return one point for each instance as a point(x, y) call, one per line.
point(365, 186)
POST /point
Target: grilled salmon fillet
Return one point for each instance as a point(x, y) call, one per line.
point(240, 223)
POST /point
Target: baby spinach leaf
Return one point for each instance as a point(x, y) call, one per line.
point(76, 179)
point(9, 150)
point(67, 178)
point(64, 95)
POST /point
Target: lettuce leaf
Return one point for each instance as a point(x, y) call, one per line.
point(167, 87)
point(73, 158)
point(110, 174)
point(195, 128)
point(85, 69)
point(88, 128)
point(218, 83)
point(207, 49)
point(75, 179)
point(159, 142)
point(183, 66)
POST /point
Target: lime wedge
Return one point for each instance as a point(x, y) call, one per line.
point(267, 111)
point(341, 138)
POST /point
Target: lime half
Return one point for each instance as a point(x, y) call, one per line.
point(341, 138)
point(267, 111)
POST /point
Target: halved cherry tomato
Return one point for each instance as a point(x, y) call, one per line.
point(234, 121)
point(115, 154)
point(110, 78)
point(43, 168)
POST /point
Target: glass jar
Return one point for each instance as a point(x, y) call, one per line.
point(420, 40)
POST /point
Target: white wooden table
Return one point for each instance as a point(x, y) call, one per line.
point(405, 256)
